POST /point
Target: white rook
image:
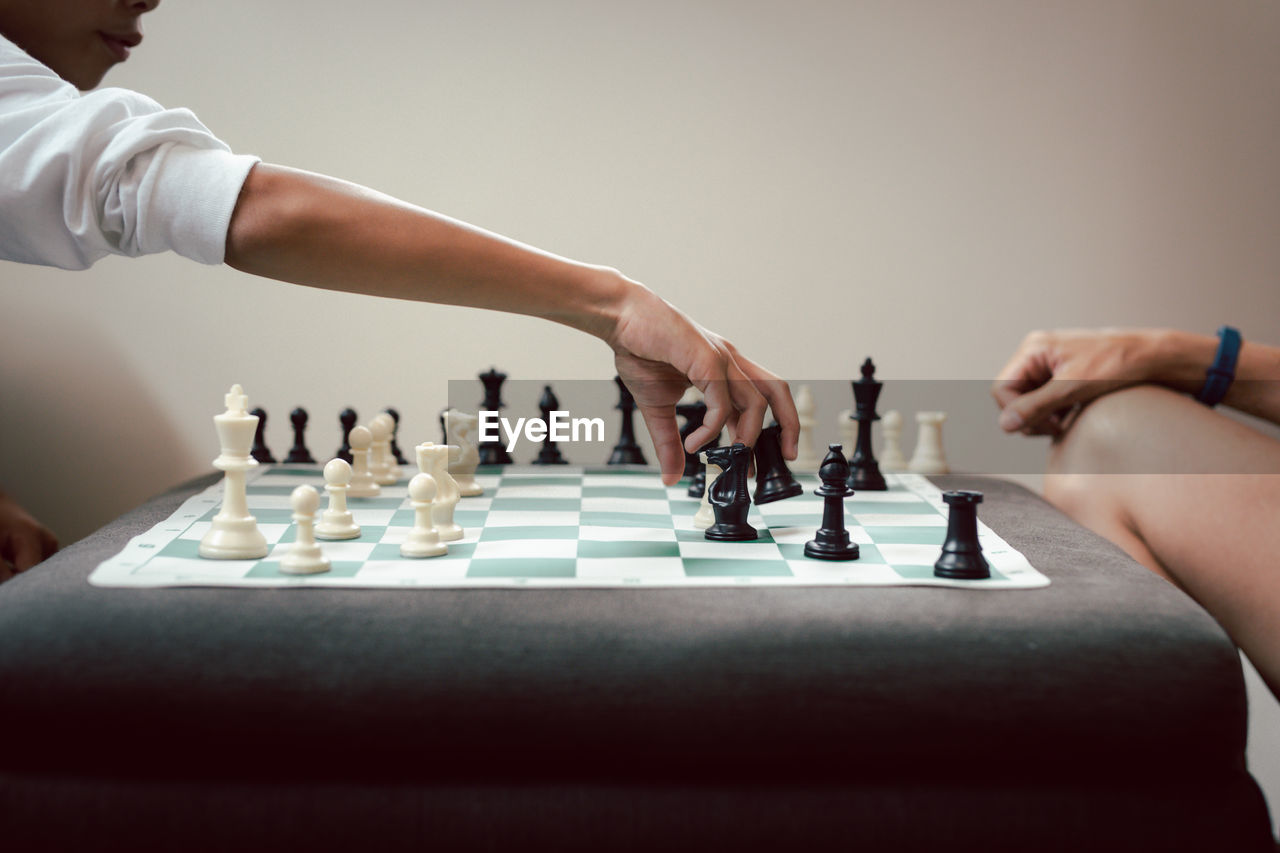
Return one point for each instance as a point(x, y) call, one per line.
point(807, 460)
point(929, 458)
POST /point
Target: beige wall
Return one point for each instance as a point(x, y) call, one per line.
point(818, 180)
point(921, 181)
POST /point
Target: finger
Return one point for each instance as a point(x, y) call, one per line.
point(1025, 372)
point(749, 407)
point(715, 393)
point(27, 552)
point(665, 433)
point(777, 395)
point(1005, 392)
point(48, 544)
point(1034, 409)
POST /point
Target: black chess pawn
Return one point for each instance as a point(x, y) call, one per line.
point(492, 451)
point(773, 478)
point(299, 453)
point(728, 495)
point(832, 542)
point(444, 427)
point(864, 474)
point(260, 451)
point(395, 433)
point(348, 421)
point(694, 414)
point(626, 451)
point(962, 552)
point(550, 452)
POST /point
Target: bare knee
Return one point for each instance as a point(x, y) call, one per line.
point(1133, 430)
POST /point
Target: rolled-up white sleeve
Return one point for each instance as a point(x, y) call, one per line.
point(107, 172)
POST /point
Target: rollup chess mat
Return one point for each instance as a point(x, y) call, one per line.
point(568, 526)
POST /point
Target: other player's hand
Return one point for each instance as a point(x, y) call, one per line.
point(659, 352)
point(23, 540)
point(1053, 374)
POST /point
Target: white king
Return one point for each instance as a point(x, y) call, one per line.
point(234, 533)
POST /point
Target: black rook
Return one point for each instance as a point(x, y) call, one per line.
point(962, 552)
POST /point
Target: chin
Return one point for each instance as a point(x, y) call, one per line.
point(86, 80)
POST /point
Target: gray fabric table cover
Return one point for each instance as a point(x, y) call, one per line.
point(1107, 702)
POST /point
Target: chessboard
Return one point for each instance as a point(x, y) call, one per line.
point(567, 526)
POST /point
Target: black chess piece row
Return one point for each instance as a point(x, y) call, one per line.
point(348, 419)
point(299, 454)
point(492, 452)
point(961, 551)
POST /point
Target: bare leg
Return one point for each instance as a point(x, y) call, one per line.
point(1190, 494)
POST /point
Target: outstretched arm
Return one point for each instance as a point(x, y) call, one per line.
point(308, 229)
point(1052, 372)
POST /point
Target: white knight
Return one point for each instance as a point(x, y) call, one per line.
point(460, 431)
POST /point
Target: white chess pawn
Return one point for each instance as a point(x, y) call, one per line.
point(422, 540)
point(381, 463)
point(847, 430)
point(928, 457)
point(433, 459)
point(337, 522)
point(304, 556)
point(807, 461)
point(362, 483)
point(706, 516)
point(233, 533)
point(891, 458)
point(460, 432)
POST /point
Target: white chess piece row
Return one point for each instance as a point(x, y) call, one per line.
point(928, 458)
point(433, 493)
point(373, 466)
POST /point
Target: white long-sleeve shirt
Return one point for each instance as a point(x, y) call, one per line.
point(106, 172)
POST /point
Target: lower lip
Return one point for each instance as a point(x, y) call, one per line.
point(118, 49)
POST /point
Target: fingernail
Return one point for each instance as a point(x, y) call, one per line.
point(1010, 420)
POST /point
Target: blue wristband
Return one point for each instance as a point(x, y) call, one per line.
point(1223, 371)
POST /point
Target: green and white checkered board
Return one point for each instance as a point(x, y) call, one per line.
point(567, 526)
